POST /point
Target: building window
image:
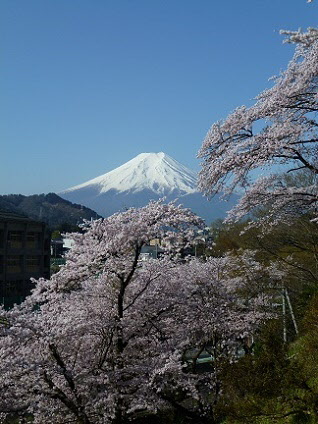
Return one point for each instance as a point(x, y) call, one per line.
point(33, 263)
point(12, 292)
point(15, 239)
point(13, 288)
point(33, 240)
point(14, 264)
point(1, 239)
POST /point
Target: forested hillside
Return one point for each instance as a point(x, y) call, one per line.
point(50, 208)
point(277, 381)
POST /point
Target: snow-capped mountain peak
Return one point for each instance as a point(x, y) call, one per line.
point(148, 176)
point(157, 172)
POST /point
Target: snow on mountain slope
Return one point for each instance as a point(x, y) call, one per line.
point(157, 172)
point(149, 176)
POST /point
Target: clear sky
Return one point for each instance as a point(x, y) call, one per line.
point(87, 85)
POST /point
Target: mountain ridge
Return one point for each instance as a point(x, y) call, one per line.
point(50, 208)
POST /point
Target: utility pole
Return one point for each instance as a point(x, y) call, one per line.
point(291, 311)
point(285, 297)
point(284, 316)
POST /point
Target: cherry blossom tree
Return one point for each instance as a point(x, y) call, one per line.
point(279, 130)
point(106, 339)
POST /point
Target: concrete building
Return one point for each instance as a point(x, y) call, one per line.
point(24, 253)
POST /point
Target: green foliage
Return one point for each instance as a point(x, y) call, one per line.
point(253, 384)
point(56, 235)
point(294, 247)
point(278, 383)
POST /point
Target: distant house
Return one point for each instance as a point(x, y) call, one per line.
point(152, 250)
point(24, 253)
point(59, 247)
point(201, 242)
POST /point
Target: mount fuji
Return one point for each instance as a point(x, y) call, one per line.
point(148, 176)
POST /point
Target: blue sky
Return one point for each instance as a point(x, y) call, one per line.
point(89, 84)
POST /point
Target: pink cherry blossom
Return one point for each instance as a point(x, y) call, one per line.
point(108, 336)
point(281, 130)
